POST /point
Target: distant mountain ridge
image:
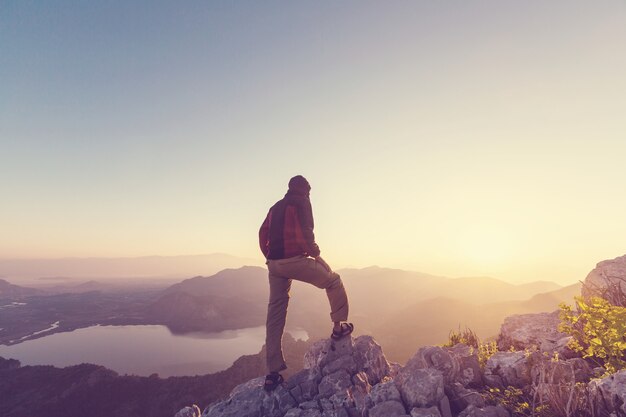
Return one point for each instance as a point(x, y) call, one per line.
point(12, 291)
point(143, 266)
point(380, 298)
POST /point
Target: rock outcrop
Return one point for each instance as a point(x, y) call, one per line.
point(352, 378)
point(522, 331)
point(193, 411)
point(608, 395)
point(606, 280)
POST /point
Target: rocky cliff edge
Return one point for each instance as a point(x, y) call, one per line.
point(352, 377)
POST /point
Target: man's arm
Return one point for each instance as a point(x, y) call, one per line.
point(305, 215)
point(264, 231)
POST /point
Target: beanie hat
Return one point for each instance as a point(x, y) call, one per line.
point(299, 185)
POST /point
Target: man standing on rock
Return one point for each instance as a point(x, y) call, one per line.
point(288, 243)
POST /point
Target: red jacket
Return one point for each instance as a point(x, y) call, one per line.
point(288, 229)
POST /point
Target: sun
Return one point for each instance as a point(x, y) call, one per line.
point(486, 249)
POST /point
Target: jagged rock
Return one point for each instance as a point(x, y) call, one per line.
point(193, 411)
point(461, 397)
point(458, 364)
point(370, 358)
point(335, 382)
point(508, 368)
point(608, 395)
point(326, 351)
point(338, 403)
point(387, 409)
point(310, 405)
point(294, 412)
point(532, 331)
point(562, 348)
point(607, 274)
point(561, 372)
point(346, 363)
point(444, 407)
point(385, 391)
point(303, 385)
point(435, 357)
point(558, 378)
point(311, 413)
point(420, 387)
point(360, 390)
point(425, 412)
point(333, 408)
point(470, 374)
point(250, 400)
point(489, 411)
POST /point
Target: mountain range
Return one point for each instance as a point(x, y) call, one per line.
point(11, 291)
point(387, 303)
point(143, 266)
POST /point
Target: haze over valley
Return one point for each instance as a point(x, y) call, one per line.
point(386, 303)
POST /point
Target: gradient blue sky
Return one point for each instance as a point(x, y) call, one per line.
point(456, 138)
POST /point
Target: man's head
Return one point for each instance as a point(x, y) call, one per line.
point(299, 185)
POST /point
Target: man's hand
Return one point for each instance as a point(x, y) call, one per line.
point(323, 263)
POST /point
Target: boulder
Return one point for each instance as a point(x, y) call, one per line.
point(458, 364)
point(461, 397)
point(311, 413)
point(370, 359)
point(336, 382)
point(425, 412)
point(532, 331)
point(607, 280)
point(508, 368)
point(387, 409)
point(444, 407)
point(470, 373)
point(489, 411)
point(608, 395)
point(303, 385)
point(193, 411)
point(249, 400)
point(562, 348)
point(420, 387)
point(435, 357)
point(561, 372)
point(325, 351)
point(385, 391)
point(360, 390)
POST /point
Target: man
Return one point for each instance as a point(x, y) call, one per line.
point(287, 241)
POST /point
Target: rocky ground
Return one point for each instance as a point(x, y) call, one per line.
point(532, 373)
point(352, 377)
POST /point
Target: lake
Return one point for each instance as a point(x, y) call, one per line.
point(143, 350)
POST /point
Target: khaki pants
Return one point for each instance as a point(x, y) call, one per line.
point(300, 268)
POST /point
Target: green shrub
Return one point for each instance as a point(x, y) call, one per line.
point(467, 336)
point(598, 331)
point(485, 351)
point(517, 402)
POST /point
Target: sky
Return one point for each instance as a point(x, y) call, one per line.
point(461, 138)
